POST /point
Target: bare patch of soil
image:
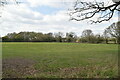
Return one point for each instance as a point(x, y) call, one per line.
point(87, 72)
point(17, 67)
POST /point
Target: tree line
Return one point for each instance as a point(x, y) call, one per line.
point(110, 34)
point(39, 37)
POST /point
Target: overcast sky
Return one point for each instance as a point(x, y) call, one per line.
point(45, 16)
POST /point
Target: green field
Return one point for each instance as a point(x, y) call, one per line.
point(60, 60)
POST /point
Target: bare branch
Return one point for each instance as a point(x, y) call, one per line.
point(87, 10)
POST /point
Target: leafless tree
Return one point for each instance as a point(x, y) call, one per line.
point(114, 31)
point(87, 33)
point(87, 10)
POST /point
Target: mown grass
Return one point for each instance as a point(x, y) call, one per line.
point(64, 60)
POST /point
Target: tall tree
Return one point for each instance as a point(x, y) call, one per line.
point(114, 31)
point(71, 37)
point(87, 32)
point(87, 35)
point(59, 36)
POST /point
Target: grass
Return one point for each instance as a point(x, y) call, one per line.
point(60, 60)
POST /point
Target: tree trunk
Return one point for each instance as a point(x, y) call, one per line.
point(118, 40)
point(106, 41)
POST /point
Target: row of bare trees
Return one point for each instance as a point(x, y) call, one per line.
point(110, 34)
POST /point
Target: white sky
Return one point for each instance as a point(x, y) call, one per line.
point(45, 16)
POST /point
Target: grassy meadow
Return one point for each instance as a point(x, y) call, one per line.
point(59, 60)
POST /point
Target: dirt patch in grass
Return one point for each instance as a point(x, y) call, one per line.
point(107, 71)
point(17, 67)
point(22, 68)
point(94, 71)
